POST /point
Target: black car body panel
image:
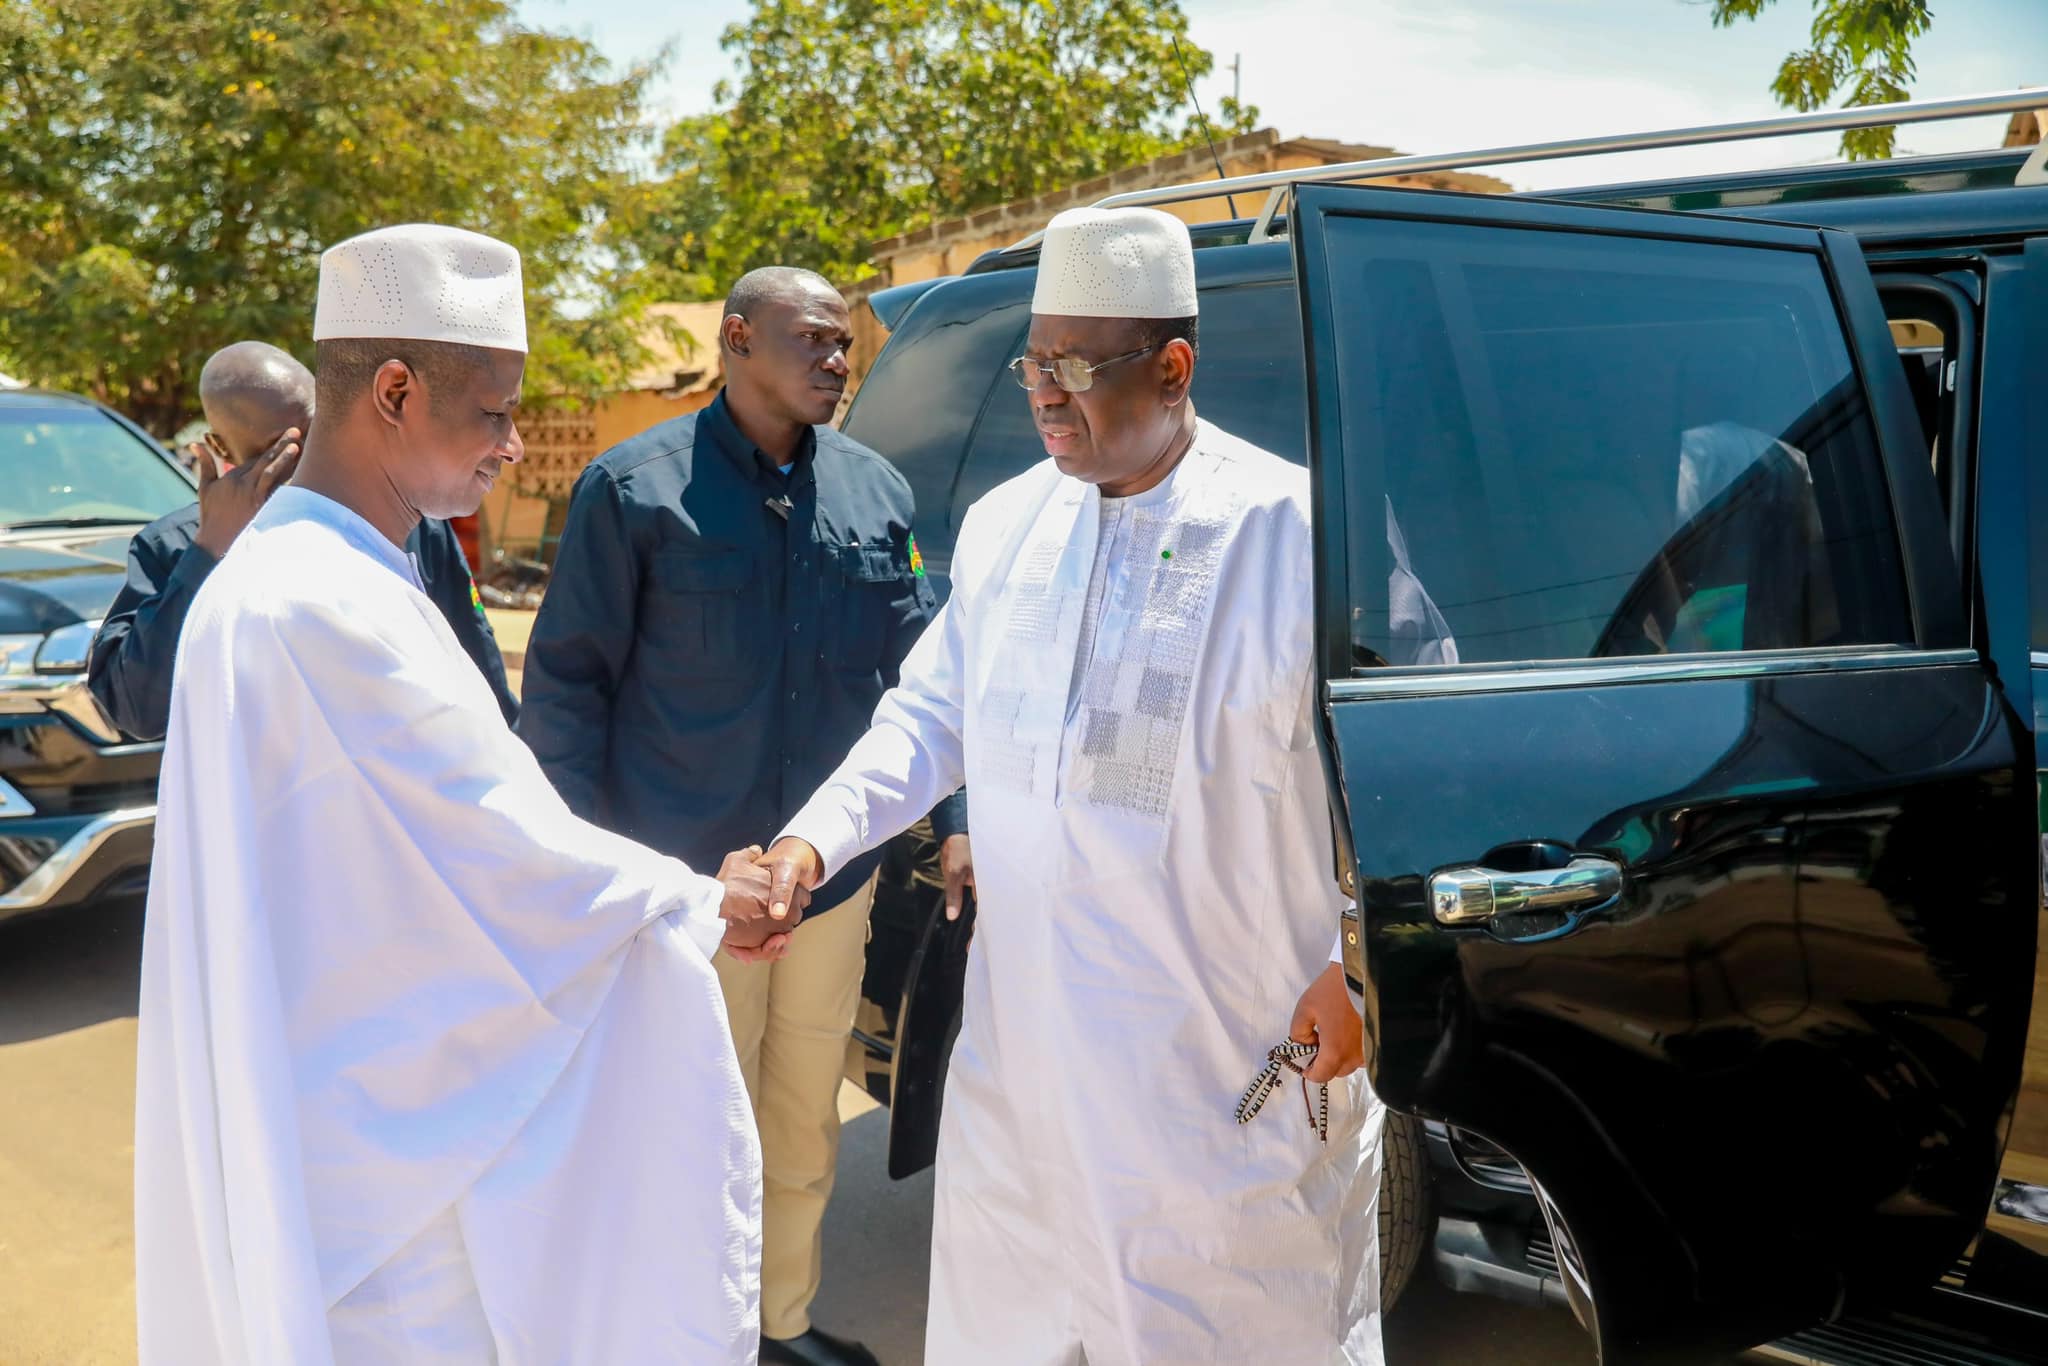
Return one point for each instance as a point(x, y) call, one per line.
point(53, 581)
point(1791, 1032)
point(1797, 194)
point(77, 800)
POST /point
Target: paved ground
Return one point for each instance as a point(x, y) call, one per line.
point(67, 1072)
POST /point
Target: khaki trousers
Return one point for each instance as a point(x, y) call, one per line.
point(790, 1023)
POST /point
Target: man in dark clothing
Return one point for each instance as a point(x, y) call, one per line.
point(259, 403)
point(734, 592)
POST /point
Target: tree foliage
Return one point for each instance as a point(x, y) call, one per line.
point(1862, 49)
point(170, 172)
point(854, 120)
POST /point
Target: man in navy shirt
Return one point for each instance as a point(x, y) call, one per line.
point(734, 592)
point(259, 404)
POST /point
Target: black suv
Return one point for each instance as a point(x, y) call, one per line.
point(1700, 898)
point(77, 800)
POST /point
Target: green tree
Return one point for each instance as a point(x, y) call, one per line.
point(853, 120)
point(169, 174)
point(1861, 48)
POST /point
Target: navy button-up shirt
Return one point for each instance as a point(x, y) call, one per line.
point(716, 634)
point(130, 670)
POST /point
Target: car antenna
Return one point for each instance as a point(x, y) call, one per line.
point(1189, 80)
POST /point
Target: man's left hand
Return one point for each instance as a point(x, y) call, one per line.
point(1326, 1018)
point(956, 865)
point(774, 947)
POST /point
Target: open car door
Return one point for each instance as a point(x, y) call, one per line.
point(1693, 840)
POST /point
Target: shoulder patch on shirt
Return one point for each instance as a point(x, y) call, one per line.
point(476, 600)
point(916, 560)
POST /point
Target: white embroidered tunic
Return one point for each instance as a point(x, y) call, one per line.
point(1125, 686)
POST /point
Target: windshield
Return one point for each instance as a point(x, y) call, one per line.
point(77, 466)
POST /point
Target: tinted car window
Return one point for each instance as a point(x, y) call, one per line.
point(1248, 381)
point(1005, 444)
point(65, 463)
point(1578, 446)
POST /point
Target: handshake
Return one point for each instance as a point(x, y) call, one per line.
point(765, 897)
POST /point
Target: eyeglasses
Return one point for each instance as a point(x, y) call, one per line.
point(1071, 374)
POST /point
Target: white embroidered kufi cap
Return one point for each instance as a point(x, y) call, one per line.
point(1116, 263)
point(422, 282)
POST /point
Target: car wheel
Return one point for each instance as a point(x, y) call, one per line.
point(1407, 1222)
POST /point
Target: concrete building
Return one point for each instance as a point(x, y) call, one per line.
point(682, 373)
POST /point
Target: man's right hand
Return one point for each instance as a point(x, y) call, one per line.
point(229, 497)
point(753, 932)
point(794, 870)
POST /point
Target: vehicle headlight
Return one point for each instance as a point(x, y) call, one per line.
point(18, 655)
point(66, 650)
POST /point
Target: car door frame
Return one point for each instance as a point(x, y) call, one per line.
point(1940, 621)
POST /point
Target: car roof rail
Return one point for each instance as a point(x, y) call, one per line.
point(1278, 183)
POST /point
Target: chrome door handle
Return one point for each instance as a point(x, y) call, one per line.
point(1473, 896)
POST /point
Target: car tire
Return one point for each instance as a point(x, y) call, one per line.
point(1407, 1220)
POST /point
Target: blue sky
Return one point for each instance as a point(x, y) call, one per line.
point(1447, 75)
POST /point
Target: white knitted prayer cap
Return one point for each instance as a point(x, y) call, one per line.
point(1116, 263)
point(422, 282)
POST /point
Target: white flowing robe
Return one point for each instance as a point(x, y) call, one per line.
point(429, 1069)
point(1155, 889)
